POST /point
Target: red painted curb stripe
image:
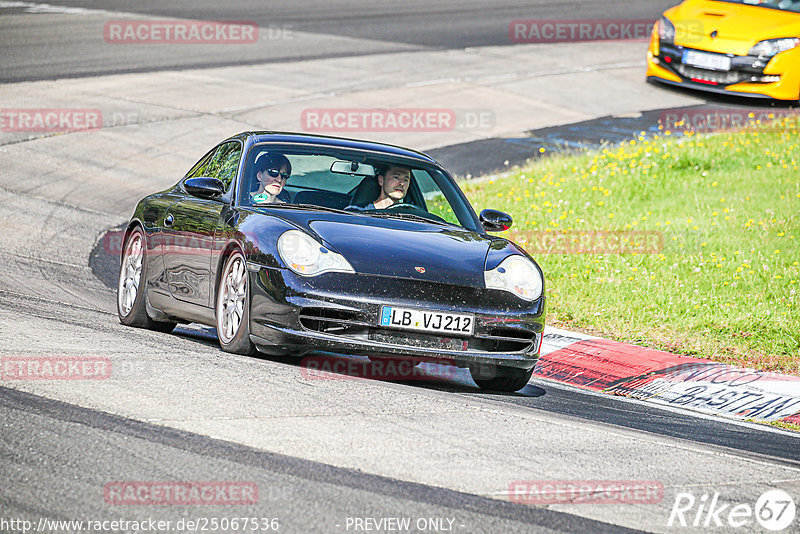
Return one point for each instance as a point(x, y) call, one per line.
point(599, 363)
point(794, 419)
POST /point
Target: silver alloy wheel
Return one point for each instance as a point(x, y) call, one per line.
point(130, 274)
point(231, 299)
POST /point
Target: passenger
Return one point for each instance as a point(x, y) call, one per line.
point(273, 171)
point(393, 181)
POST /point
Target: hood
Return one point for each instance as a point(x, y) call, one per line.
point(400, 248)
point(738, 26)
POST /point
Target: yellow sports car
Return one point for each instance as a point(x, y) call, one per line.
point(741, 47)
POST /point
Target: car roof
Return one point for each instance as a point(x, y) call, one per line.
point(342, 142)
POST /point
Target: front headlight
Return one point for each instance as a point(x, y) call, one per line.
point(307, 257)
point(666, 30)
point(517, 275)
point(772, 47)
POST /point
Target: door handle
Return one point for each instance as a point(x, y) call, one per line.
point(169, 219)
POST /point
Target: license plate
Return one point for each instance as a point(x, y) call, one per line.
point(426, 320)
point(706, 61)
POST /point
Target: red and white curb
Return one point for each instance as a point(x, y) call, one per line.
point(664, 378)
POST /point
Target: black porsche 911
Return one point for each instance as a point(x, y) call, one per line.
point(292, 243)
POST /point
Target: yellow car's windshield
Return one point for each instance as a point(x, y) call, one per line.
point(781, 5)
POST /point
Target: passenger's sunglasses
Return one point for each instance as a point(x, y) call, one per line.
point(275, 173)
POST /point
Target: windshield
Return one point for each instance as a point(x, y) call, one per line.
point(351, 181)
point(782, 5)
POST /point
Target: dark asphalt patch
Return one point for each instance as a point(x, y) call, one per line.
point(104, 262)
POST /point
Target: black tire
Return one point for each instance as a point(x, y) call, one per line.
point(132, 285)
point(498, 378)
point(232, 307)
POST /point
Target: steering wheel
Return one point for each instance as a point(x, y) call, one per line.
point(401, 205)
point(419, 211)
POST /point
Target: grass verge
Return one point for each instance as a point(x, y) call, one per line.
point(687, 244)
point(785, 426)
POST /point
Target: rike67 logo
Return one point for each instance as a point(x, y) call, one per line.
point(774, 510)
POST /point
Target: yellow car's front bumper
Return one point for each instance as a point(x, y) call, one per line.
point(779, 79)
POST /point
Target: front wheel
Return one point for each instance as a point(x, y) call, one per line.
point(233, 307)
point(132, 285)
point(498, 378)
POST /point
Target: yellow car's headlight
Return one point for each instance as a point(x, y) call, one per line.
point(772, 47)
point(666, 30)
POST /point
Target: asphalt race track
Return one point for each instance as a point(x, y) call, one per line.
point(295, 30)
point(326, 455)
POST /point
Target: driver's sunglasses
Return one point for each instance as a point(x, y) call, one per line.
point(275, 173)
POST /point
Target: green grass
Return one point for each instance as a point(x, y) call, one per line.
point(719, 217)
point(785, 426)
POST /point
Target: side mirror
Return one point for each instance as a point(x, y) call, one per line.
point(496, 221)
point(204, 187)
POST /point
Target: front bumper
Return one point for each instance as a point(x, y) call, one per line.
point(749, 76)
point(339, 312)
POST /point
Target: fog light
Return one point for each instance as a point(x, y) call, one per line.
point(770, 79)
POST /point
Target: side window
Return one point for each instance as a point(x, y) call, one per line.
point(225, 163)
point(199, 168)
point(434, 197)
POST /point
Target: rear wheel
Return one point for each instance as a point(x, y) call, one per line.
point(132, 286)
point(233, 307)
point(498, 378)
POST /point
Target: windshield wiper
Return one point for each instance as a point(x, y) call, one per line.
point(389, 215)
